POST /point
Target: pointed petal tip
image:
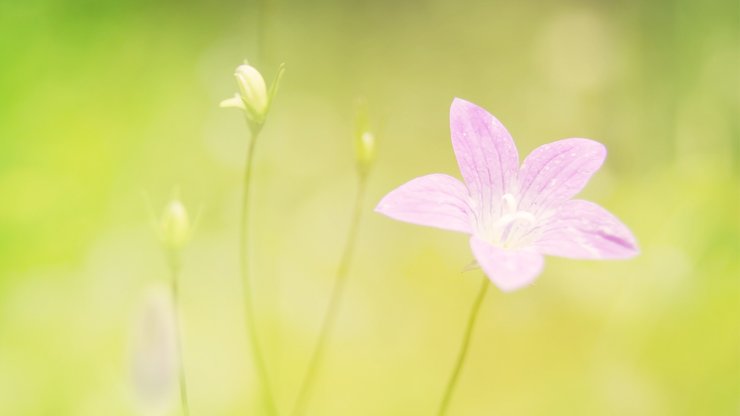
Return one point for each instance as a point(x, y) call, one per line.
point(583, 141)
point(459, 101)
point(380, 208)
point(598, 148)
point(632, 252)
point(465, 110)
point(384, 206)
point(460, 104)
point(585, 230)
point(434, 200)
point(627, 241)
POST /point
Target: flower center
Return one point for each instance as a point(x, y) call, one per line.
point(513, 228)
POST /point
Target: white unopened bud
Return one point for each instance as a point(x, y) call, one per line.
point(253, 90)
point(254, 97)
point(174, 226)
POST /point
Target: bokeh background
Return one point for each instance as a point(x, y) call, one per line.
point(107, 106)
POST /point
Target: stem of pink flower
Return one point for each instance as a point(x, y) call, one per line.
point(332, 311)
point(462, 354)
point(249, 318)
point(175, 272)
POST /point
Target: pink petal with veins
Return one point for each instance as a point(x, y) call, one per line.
point(584, 230)
point(555, 172)
point(516, 215)
point(508, 269)
point(485, 152)
point(434, 200)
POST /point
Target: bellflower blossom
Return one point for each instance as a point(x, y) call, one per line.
point(514, 214)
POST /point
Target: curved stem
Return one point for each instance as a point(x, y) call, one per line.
point(175, 270)
point(249, 318)
point(463, 348)
point(332, 310)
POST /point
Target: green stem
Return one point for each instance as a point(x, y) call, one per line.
point(175, 271)
point(249, 318)
point(330, 317)
point(463, 348)
point(262, 20)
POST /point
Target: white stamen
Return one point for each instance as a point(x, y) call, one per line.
point(510, 203)
point(516, 216)
point(513, 227)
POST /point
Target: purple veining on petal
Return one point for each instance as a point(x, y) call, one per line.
point(584, 230)
point(567, 166)
point(485, 152)
point(434, 200)
point(515, 214)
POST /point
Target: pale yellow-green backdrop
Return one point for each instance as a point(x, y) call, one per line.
point(107, 104)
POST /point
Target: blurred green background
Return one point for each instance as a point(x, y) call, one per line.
point(105, 105)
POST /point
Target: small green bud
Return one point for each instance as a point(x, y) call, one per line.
point(364, 139)
point(365, 151)
point(174, 226)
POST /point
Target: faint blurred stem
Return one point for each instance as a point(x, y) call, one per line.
point(174, 263)
point(263, 13)
point(249, 318)
point(461, 355)
point(330, 318)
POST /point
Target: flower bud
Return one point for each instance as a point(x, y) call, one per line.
point(364, 138)
point(174, 226)
point(253, 90)
point(365, 151)
point(255, 99)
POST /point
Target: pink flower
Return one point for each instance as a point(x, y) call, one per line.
point(514, 214)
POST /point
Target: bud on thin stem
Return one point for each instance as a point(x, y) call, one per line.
point(364, 140)
point(174, 226)
point(365, 151)
point(254, 97)
point(253, 90)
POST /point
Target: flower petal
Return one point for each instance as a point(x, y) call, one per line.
point(485, 152)
point(507, 269)
point(434, 200)
point(555, 172)
point(235, 101)
point(584, 230)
